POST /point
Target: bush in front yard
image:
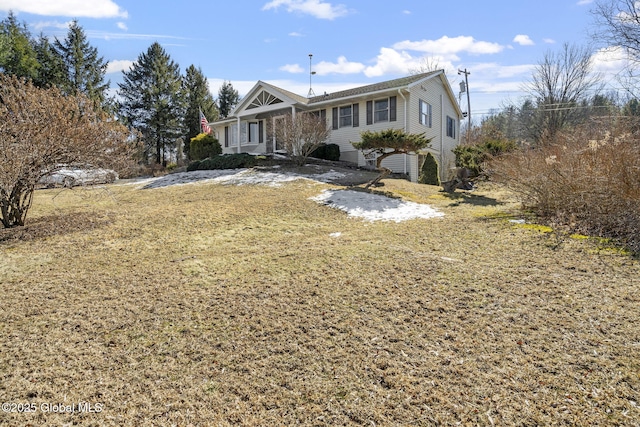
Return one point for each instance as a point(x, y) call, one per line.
point(226, 161)
point(474, 157)
point(589, 186)
point(327, 152)
point(204, 145)
point(429, 171)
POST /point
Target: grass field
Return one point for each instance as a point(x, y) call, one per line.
point(220, 305)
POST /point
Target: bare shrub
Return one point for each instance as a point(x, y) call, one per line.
point(588, 180)
point(41, 131)
point(301, 134)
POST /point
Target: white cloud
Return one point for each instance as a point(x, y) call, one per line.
point(118, 66)
point(122, 26)
point(316, 8)
point(549, 41)
point(449, 47)
point(296, 34)
point(292, 68)
point(523, 40)
point(73, 8)
point(494, 70)
point(610, 61)
point(406, 12)
point(391, 61)
point(584, 2)
point(38, 26)
point(341, 67)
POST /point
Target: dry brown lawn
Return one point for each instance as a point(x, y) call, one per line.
point(214, 305)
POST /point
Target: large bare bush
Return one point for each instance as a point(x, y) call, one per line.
point(40, 131)
point(587, 181)
point(301, 134)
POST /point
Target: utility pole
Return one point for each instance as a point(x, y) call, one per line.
point(466, 82)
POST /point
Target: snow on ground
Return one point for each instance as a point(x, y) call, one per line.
point(372, 207)
point(375, 207)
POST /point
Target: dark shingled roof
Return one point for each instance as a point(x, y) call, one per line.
point(389, 84)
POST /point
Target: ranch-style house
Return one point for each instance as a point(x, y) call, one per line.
point(421, 103)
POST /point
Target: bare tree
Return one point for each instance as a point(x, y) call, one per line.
point(617, 27)
point(301, 134)
point(617, 24)
point(40, 131)
point(560, 82)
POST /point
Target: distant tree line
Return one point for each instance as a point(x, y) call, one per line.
point(155, 100)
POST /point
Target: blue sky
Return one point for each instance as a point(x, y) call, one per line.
point(353, 42)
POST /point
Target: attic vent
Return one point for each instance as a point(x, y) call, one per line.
point(263, 98)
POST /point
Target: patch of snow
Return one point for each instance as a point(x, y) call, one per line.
point(336, 234)
point(249, 177)
point(182, 178)
point(329, 176)
point(375, 207)
point(370, 206)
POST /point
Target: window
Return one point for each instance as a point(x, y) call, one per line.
point(425, 114)
point(345, 116)
point(253, 132)
point(451, 127)
point(381, 111)
point(234, 135)
point(243, 132)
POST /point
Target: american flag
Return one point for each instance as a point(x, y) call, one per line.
point(204, 123)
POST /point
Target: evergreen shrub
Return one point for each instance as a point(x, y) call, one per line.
point(429, 171)
point(227, 161)
point(327, 152)
point(204, 145)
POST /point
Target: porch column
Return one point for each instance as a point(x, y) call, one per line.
point(238, 135)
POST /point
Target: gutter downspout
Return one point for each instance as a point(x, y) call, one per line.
point(405, 127)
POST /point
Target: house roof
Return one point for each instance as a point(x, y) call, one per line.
point(388, 85)
point(375, 87)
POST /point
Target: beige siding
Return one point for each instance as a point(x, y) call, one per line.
point(344, 136)
point(433, 92)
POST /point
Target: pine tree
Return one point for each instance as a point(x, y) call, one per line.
point(228, 98)
point(18, 56)
point(153, 101)
point(198, 98)
point(85, 69)
point(52, 71)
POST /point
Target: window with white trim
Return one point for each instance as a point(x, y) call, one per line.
point(425, 114)
point(346, 116)
point(253, 131)
point(451, 127)
point(381, 110)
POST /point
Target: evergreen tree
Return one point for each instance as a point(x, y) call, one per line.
point(228, 98)
point(198, 98)
point(52, 71)
point(18, 56)
point(429, 171)
point(85, 69)
point(153, 101)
